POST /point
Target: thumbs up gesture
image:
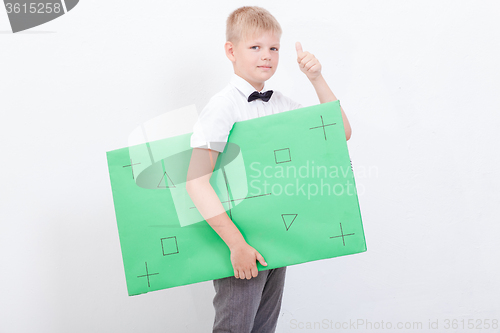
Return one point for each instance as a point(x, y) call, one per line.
point(308, 63)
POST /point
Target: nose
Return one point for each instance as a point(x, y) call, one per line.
point(266, 55)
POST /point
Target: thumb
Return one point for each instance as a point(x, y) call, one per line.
point(261, 259)
point(298, 47)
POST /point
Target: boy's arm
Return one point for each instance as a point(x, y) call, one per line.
point(243, 256)
point(311, 66)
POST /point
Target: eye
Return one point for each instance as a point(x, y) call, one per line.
point(274, 48)
point(254, 47)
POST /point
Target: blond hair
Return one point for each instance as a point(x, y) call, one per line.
point(247, 21)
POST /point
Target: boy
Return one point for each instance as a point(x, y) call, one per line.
point(251, 300)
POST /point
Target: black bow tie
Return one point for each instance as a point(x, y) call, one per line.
point(263, 96)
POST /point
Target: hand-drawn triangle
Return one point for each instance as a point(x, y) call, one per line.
point(290, 218)
point(161, 180)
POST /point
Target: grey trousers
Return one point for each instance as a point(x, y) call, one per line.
point(249, 306)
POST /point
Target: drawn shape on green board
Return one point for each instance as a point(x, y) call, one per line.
point(147, 275)
point(169, 245)
point(342, 235)
point(288, 219)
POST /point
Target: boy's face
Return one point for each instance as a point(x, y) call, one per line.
point(256, 58)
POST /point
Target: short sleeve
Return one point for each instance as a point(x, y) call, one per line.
point(294, 105)
point(214, 123)
point(286, 103)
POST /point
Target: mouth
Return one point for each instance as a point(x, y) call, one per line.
point(264, 67)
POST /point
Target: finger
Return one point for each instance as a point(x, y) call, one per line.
point(300, 53)
point(305, 59)
point(314, 68)
point(298, 47)
point(302, 57)
point(260, 258)
point(308, 58)
point(248, 273)
point(310, 64)
point(255, 271)
point(242, 274)
point(236, 274)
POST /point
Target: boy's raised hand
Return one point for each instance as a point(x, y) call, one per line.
point(308, 63)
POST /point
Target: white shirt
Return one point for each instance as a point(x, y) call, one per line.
point(231, 105)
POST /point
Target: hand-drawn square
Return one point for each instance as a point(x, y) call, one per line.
point(282, 155)
point(169, 246)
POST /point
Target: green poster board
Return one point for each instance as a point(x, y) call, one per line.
point(285, 180)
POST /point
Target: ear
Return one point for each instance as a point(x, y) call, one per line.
point(229, 47)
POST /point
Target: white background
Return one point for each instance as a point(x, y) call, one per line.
point(419, 81)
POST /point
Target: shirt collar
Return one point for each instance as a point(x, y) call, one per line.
point(244, 86)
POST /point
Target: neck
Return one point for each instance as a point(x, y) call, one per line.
point(257, 86)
